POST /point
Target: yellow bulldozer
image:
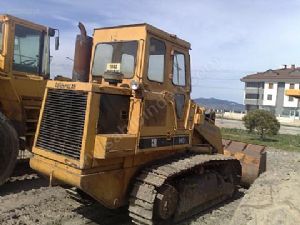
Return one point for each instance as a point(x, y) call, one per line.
point(24, 69)
point(129, 133)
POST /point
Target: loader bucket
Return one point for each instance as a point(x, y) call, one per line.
point(252, 158)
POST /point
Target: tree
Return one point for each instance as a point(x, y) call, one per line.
point(261, 121)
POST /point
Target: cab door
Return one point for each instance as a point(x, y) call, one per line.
point(157, 113)
point(180, 78)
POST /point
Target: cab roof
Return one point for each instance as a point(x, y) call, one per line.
point(153, 30)
point(4, 17)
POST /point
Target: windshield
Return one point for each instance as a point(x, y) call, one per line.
point(31, 51)
point(27, 54)
point(120, 55)
point(27, 49)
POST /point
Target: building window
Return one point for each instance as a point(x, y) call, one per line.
point(271, 85)
point(251, 107)
point(254, 84)
point(156, 63)
point(269, 97)
point(291, 99)
point(252, 96)
point(292, 86)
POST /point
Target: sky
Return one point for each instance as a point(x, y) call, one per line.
point(229, 38)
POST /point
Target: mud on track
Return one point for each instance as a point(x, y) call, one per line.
point(27, 199)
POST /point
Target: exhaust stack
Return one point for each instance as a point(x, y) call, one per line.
point(82, 55)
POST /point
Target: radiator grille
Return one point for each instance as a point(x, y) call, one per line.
point(62, 124)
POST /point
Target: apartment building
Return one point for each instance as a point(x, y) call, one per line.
point(266, 90)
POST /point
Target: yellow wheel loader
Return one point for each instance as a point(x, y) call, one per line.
point(131, 135)
point(24, 69)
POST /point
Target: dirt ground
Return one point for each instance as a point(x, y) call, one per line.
point(273, 199)
point(275, 196)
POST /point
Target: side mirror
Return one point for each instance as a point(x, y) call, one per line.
point(57, 43)
point(51, 32)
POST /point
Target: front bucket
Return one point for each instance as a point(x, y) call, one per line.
point(253, 159)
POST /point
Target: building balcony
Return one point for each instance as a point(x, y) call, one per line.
point(252, 101)
point(254, 90)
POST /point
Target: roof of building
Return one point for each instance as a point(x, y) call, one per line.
point(283, 74)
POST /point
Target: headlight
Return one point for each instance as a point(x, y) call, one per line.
point(134, 85)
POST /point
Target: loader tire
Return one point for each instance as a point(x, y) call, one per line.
point(9, 148)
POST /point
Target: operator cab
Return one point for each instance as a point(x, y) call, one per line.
point(142, 53)
point(155, 66)
point(148, 60)
point(29, 52)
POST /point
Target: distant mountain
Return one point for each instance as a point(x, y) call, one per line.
point(218, 104)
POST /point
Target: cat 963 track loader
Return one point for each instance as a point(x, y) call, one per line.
point(24, 69)
point(132, 135)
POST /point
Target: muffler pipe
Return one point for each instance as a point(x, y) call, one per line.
point(82, 55)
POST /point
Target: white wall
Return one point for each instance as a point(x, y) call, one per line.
point(272, 92)
point(286, 102)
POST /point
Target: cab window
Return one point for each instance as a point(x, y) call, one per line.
point(27, 54)
point(1, 36)
point(120, 53)
point(179, 69)
point(156, 64)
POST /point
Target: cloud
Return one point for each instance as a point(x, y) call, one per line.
point(64, 19)
point(229, 38)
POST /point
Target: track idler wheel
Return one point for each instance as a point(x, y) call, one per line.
point(9, 149)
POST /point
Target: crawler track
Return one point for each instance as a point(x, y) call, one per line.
point(147, 185)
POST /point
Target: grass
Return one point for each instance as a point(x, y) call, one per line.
point(281, 141)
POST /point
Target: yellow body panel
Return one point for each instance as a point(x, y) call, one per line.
point(114, 145)
point(108, 184)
